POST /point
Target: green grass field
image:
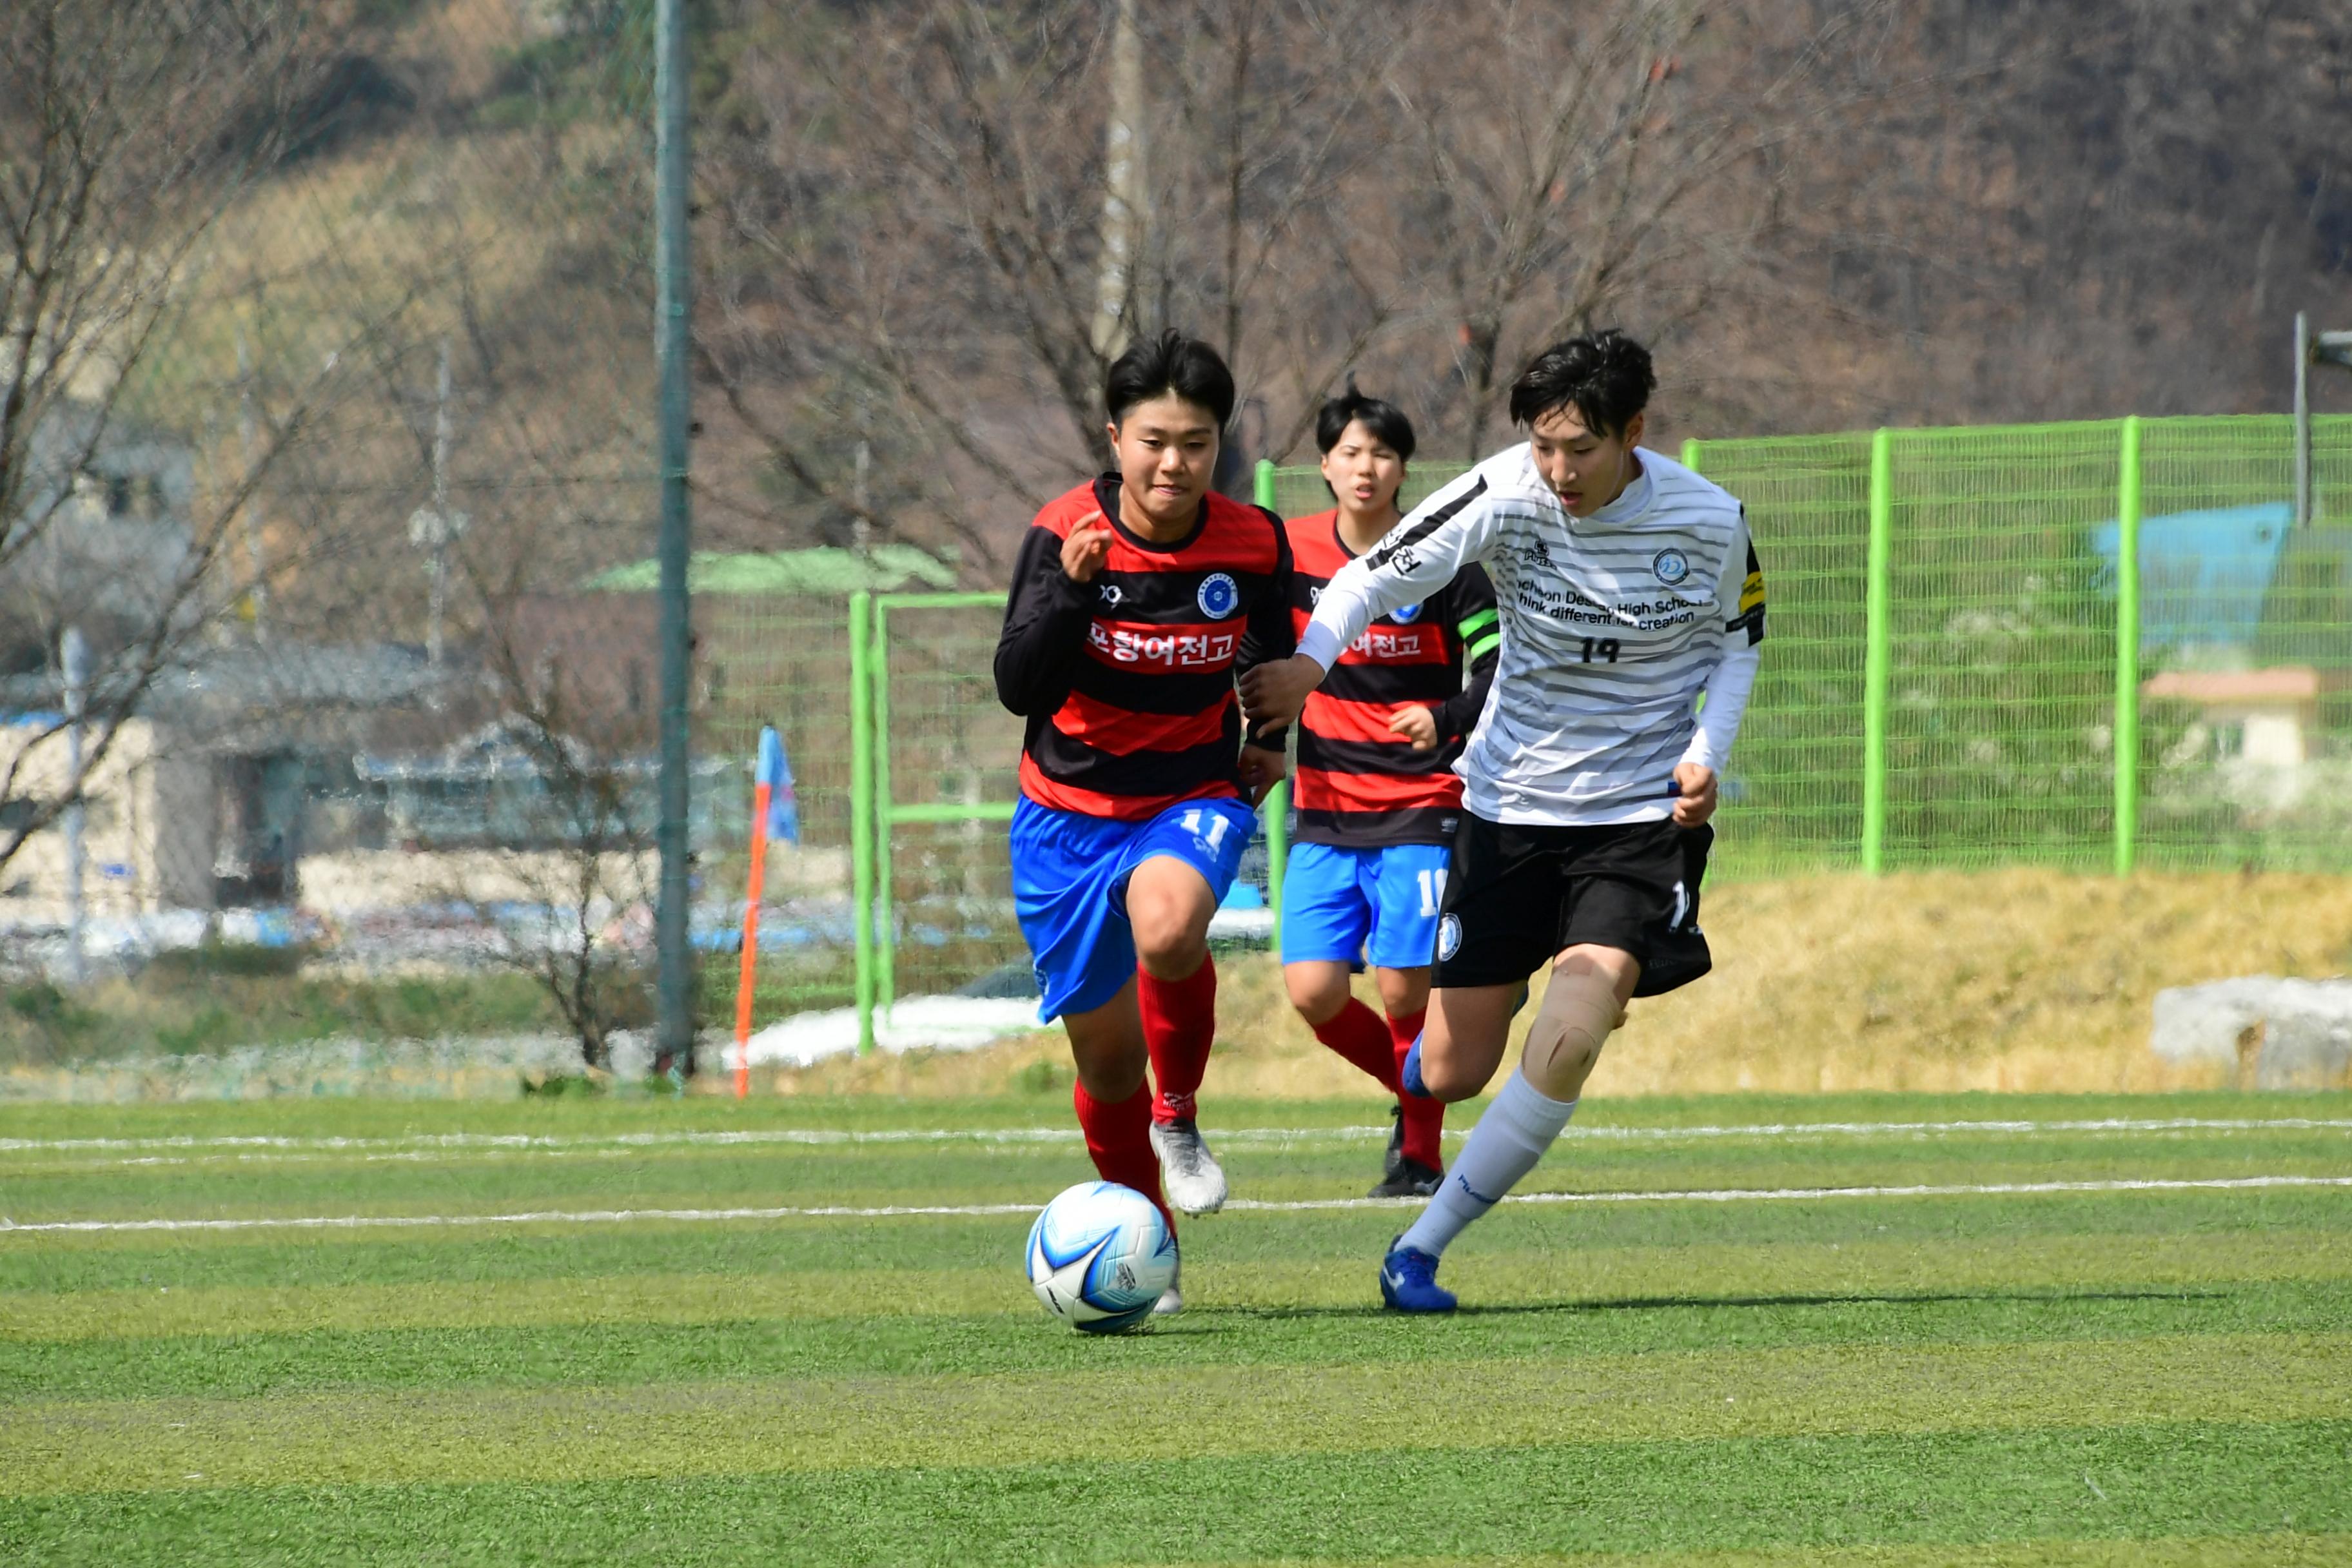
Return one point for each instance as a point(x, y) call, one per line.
point(1755, 1370)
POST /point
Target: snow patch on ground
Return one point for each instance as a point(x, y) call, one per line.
point(2280, 1034)
point(919, 1023)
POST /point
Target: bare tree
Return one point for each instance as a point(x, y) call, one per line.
point(555, 856)
point(129, 129)
point(909, 218)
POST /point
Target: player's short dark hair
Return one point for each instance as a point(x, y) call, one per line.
point(1386, 421)
point(1606, 376)
point(1170, 362)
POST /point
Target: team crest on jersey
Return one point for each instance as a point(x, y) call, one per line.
point(1404, 616)
point(1112, 595)
point(1219, 596)
point(1670, 565)
point(1449, 938)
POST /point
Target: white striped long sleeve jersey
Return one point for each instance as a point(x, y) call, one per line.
point(1612, 626)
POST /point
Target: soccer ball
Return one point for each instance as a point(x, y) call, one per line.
point(1099, 1257)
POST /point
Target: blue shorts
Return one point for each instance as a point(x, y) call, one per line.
point(1333, 899)
point(1069, 888)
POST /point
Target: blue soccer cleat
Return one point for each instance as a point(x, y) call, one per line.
point(1408, 1281)
point(1409, 1072)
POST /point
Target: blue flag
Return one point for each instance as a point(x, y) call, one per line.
point(783, 810)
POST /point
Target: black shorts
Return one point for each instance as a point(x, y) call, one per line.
point(1515, 896)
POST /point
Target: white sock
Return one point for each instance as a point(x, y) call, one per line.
point(1503, 1148)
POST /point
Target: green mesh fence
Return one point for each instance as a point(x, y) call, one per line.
point(2001, 665)
point(2246, 628)
point(1952, 678)
point(782, 660)
point(1301, 493)
point(934, 776)
point(1793, 792)
point(946, 767)
point(2000, 694)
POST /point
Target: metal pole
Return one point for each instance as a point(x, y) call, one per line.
point(257, 596)
point(1878, 661)
point(2302, 420)
point(439, 605)
point(2127, 507)
point(76, 660)
point(1690, 453)
point(672, 288)
point(861, 525)
point(861, 813)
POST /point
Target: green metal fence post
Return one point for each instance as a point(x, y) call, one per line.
point(1878, 656)
point(1277, 800)
point(1690, 453)
point(2127, 505)
point(886, 926)
point(861, 813)
point(1277, 850)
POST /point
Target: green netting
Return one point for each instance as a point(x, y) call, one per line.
point(946, 762)
point(2001, 556)
point(945, 775)
point(1795, 782)
point(2000, 703)
point(1301, 493)
point(785, 662)
point(2246, 758)
point(1792, 790)
point(2001, 689)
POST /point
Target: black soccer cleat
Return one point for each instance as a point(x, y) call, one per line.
point(1401, 1177)
point(1411, 1179)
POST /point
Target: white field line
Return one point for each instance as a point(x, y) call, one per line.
point(674, 1216)
point(443, 1145)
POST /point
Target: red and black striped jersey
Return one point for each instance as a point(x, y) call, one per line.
point(1128, 681)
point(1360, 785)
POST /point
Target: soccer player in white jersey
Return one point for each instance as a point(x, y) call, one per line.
point(1629, 590)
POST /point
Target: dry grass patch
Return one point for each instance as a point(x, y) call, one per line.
point(2021, 980)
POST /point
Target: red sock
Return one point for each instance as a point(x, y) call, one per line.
point(1180, 1020)
point(1356, 1032)
point(1425, 1119)
point(1119, 1141)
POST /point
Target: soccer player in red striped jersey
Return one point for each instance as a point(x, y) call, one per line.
point(1136, 599)
point(1376, 792)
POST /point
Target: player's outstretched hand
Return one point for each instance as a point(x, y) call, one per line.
point(1261, 769)
point(1274, 693)
point(1084, 552)
point(1418, 725)
point(1697, 802)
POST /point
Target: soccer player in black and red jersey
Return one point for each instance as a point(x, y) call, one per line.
point(1136, 599)
point(1376, 792)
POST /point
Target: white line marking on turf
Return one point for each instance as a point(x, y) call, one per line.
point(430, 1146)
point(1259, 1205)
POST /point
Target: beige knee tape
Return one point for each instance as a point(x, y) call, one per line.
point(1565, 1040)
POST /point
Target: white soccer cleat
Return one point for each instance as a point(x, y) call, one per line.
point(1172, 1300)
point(1195, 1182)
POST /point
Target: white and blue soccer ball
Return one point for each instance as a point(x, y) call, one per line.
point(1100, 1258)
